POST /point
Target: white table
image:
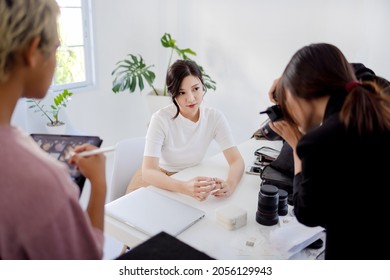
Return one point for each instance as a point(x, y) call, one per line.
point(252, 241)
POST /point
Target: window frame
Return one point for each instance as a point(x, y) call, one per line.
point(88, 53)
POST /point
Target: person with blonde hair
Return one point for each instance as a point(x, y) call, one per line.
point(40, 215)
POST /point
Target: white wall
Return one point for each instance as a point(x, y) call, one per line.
point(242, 44)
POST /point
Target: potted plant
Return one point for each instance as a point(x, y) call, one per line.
point(133, 71)
point(52, 115)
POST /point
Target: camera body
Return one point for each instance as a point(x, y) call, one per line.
point(274, 113)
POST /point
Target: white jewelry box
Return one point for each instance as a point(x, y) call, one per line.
point(231, 217)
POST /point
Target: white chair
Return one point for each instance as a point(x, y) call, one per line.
point(128, 158)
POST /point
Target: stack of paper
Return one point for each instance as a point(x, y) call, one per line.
point(292, 237)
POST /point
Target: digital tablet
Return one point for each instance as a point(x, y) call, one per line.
point(59, 146)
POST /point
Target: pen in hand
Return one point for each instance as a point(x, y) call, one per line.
point(91, 152)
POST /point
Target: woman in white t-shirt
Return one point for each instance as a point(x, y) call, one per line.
point(179, 135)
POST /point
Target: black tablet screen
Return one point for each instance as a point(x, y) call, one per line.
point(59, 146)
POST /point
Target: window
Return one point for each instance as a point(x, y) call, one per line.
point(74, 56)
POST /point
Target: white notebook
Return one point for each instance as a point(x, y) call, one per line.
point(151, 212)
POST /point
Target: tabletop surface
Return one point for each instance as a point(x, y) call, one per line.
point(251, 241)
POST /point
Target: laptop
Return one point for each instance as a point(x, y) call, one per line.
point(151, 212)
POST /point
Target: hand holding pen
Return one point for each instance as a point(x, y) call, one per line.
point(90, 161)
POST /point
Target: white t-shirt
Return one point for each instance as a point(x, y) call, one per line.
point(180, 143)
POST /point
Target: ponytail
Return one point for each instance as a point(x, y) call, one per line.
point(366, 108)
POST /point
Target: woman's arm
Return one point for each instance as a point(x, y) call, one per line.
point(198, 187)
point(93, 168)
point(291, 134)
point(236, 170)
point(272, 90)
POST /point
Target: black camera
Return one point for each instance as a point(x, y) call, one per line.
point(274, 113)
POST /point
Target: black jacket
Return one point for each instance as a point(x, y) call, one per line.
point(344, 187)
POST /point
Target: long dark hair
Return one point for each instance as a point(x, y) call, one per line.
point(176, 74)
point(321, 70)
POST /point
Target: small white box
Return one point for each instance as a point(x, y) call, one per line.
point(231, 217)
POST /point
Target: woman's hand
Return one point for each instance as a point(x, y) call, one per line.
point(222, 188)
point(92, 167)
point(291, 134)
point(287, 131)
point(200, 187)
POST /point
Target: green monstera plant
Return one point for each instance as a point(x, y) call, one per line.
point(133, 71)
point(59, 101)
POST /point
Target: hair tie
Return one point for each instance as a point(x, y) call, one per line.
point(351, 85)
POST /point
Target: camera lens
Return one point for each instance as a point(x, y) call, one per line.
point(268, 205)
point(268, 133)
point(283, 207)
point(274, 113)
point(290, 199)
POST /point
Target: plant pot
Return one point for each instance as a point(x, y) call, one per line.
point(56, 129)
point(156, 102)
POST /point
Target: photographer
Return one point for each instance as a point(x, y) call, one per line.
point(284, 162)
point(332, 122)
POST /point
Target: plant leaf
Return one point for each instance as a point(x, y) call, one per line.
point(133, 83)
point(140, 82)
point(167, 41)
point(130, 71)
